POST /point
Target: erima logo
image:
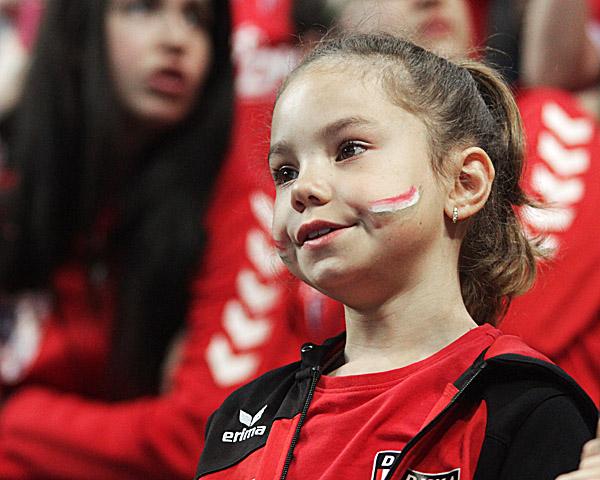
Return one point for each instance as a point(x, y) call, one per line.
point(383, 463)
point(246, 433)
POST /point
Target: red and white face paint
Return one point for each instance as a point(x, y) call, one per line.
point(395, 204)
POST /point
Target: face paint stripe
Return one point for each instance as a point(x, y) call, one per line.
point(399, 202)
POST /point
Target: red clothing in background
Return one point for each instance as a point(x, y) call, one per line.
point(560, 316)
point(239, 323)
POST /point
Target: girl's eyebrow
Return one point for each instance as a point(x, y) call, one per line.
point(343, 123)
point(283, 147)
point(279, 148)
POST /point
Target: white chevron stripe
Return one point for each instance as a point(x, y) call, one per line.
point(262, 254)
point(245, 332)
point(257, 296)
point(262, 208)
point(226, 367)
point(556, 191)
point(566, 162)
point(551, 244)
point(571, 131)
point(547, 219)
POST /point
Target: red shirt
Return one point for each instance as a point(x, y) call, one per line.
point(370, 414)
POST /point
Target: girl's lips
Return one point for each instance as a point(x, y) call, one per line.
point(436, 28)
point(323, 240)
point(312, 229)
point(168, 82)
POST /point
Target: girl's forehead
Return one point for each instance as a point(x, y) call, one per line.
point(346, 84)
point(321, 103)
point(351, 65)
point(342, 69)
point(334, 87)
point(339, 73)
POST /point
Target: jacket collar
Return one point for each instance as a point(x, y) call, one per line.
point(319, 355)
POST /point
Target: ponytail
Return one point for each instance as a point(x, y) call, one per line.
point(497, 261)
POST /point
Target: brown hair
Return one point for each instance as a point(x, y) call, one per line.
point(462, 103)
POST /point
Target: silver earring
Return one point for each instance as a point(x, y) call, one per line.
point(455, 215)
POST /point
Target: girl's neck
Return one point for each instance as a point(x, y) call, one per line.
point(406, 329)
point(139, 135)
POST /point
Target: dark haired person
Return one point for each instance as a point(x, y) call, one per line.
point(137, 289)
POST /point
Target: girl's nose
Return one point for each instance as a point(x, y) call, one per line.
point(423, 4)
point(310, 189)
point(175, 31)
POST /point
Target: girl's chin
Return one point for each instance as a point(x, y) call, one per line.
point(339, 287)
point(159, 114)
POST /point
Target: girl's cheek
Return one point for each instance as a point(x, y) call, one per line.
point(281, 239)
point(283, 247)
point(396, 204)
point(379, 212)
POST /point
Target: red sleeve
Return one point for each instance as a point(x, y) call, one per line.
point(560, 315)
point(237, 328)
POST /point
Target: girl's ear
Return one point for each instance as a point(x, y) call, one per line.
point(472, 184)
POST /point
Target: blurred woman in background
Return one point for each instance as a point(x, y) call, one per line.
point(134, 290)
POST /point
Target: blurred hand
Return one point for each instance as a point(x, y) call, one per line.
point(13, 61)
point(589, 465)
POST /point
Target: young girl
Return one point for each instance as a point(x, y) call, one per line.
point(123, 223)
point(397, 172)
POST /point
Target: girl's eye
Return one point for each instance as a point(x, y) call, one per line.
point(138, 6)
point(284, 175)
point(198, 14)
point(350, 149)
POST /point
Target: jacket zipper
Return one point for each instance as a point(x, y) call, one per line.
point(427, 428)
point(315, 375)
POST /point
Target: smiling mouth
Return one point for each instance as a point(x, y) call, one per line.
point(323, 236)
point(316, 232)
point(319, 233)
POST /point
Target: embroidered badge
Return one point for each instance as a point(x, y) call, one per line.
point(385, 460)
point(382, 463)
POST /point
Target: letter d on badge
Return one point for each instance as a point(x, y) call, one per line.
point(382, 463)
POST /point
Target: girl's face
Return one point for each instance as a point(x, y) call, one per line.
point(444, 26)
point(159, 55)
point(358, 206)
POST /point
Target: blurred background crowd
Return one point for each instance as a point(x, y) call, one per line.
point(138, 284)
